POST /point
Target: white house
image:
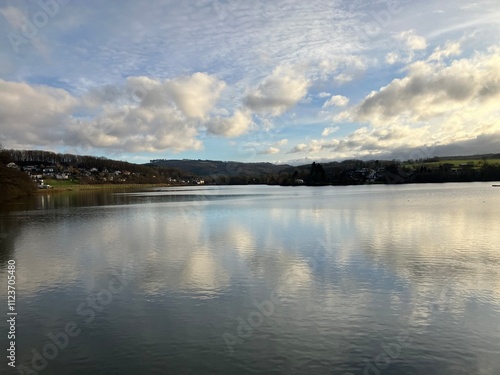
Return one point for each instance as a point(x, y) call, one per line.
point(62, 176)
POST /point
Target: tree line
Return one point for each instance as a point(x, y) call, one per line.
point(63, 160)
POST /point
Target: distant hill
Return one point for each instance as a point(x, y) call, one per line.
point(208, 168)
point(94, 170)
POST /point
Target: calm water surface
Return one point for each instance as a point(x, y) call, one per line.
point(250, 280)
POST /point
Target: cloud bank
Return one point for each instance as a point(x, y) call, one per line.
point(446, 107)
point(364, 78)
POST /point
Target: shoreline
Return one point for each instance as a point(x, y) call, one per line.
point(94, 187)
point(99, 187)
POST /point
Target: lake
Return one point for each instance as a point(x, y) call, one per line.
point(380, 279)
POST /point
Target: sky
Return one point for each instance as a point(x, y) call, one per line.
point(282, 81)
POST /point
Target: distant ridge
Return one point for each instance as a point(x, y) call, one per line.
point(205, 168)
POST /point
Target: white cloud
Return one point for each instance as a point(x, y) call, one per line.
point(368, 141)
point(337, 101)
point(435, 105)
point(412, 43)
point(33, 115)
point(279, 92)
point(234, 97)
point(143, 115)
point(450, 49)
point(327, 131)
point(392, 58)
point(412, 40)
point(269, 151)
point(342, 69)
point(134, 128)
point(298, 148)
point(195, 95)
point(315, 146)
point(433, 89)
point(152, 115)
point(282, 142)
point(233, 126)
point(470, 6)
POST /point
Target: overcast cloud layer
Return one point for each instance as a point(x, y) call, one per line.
point(281, 81)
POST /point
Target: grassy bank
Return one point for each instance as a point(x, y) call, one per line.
point(72, 186)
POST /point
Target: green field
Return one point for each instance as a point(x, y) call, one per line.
point(478, 163)
point(60, 183)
